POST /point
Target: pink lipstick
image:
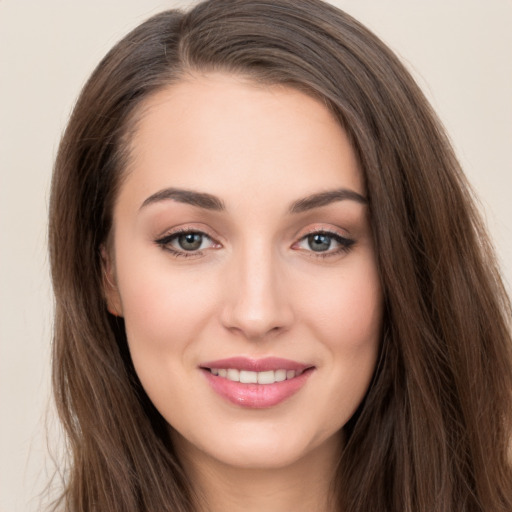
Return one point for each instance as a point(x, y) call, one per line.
point(256, 383)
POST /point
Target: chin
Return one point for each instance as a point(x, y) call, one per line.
point(261, 447)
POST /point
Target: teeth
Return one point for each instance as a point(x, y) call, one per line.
point(233, 375)
point(248, 377)
point(266, 377)
point(280, 375)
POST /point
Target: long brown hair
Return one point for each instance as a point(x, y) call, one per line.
point(434, 429)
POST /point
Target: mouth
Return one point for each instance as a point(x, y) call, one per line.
point(251, 377)
point(256, 383)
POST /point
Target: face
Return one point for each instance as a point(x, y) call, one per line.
point(243, 265)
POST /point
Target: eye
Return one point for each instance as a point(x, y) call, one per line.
point(324, 243)
point(319, 242)
point(186, 242)
point(190, 241)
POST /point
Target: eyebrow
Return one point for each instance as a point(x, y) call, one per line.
point(326, 198)
point(211, 202)
point(200, 199)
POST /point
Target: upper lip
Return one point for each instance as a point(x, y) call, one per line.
point(256, 365)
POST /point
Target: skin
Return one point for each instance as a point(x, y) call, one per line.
point(255, 288)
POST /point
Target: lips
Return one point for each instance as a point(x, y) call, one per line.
point(256, 383)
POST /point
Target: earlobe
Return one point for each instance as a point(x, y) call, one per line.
point(110, 290)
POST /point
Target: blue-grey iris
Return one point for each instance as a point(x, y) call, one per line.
point(319, 242)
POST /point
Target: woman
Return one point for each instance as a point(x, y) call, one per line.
point(273, 291)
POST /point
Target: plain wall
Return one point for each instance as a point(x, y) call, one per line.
point(459, 50)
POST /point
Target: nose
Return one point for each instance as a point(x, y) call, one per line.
point(257, 302)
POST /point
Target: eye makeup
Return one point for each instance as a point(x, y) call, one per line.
point(187, 242)
point(324, 243)
point(191, 242)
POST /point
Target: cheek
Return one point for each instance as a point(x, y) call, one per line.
point(345, 309)
point(344, 313)
point(165, 313)
point(164, 308)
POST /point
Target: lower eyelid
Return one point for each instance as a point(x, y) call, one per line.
point(344, 244)
point(167, 241)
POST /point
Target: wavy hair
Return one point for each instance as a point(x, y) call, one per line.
point(433, 432)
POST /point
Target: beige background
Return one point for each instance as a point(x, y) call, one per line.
point(459, 50)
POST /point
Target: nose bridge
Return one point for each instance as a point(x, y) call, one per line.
point(257, 303)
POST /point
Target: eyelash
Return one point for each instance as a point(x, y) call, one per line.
point(345, 244)
point(166, 240)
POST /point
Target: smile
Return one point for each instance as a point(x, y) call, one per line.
point(256, 383)
point(250, 377)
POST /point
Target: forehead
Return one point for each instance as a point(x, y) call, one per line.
point(222, 134)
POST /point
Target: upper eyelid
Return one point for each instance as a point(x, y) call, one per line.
point(165, 242)
point(322, 228)
point(345, 244)
point(167, 239)
point(298, 236)
point(175, 234)
point(341, 239)
point(186, 229)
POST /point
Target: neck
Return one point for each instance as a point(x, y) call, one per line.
point(302, 486)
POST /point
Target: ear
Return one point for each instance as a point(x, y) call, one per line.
point(110, 290)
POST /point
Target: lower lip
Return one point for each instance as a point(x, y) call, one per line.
point(256, 396)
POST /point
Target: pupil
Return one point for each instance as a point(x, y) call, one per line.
point(190, 241)
point(319, 242)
